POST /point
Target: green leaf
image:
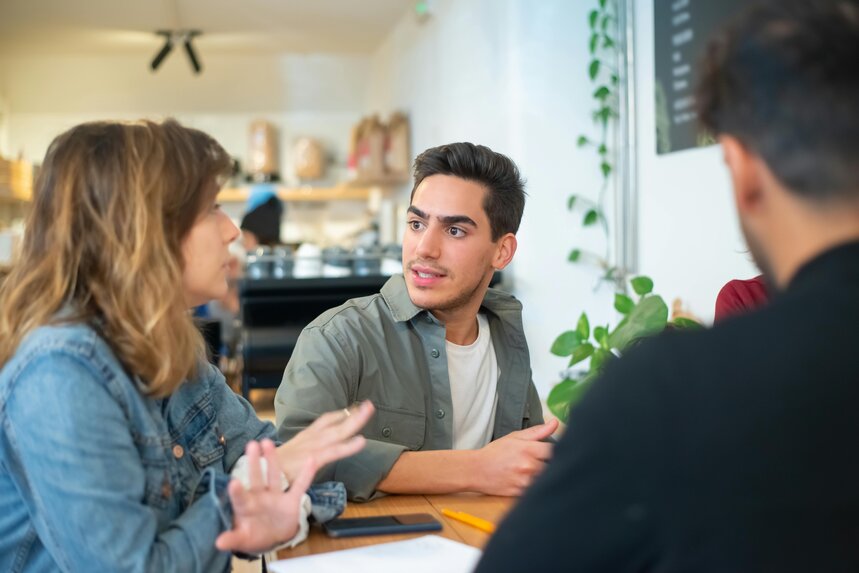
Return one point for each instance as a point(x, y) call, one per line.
point(575, 255)
point(583, 327)
point(601, 336)
point(594, 42)
point(606, 168)
point(591, 217)
point(581, 352)
point(623, 304)
point(603, 149)
point(684, 323)
point(602, 3)
point(594, 69)
point(566, 343)
point(605, 20)
point(565, 395)
point(614, 79)
point(603, 115)
point(642, 285)
point(602, 92)
point(648, 317)
point(599, 358)
point(583, 141)
point(607, 42)
point(593, 17)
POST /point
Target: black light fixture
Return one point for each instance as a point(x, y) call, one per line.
point(170, 38)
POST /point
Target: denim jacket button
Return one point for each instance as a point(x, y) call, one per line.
point(166, 490)
point(386, 431)
point(178, 451)
point(222, 440)
point(434, 353)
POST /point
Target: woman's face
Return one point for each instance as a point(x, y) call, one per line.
point(206, 255)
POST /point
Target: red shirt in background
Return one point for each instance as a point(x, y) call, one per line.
point(738, 297)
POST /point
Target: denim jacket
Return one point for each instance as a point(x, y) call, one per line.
point(96, 476)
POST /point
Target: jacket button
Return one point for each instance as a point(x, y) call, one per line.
point(178, 452)
point(386, 431)
point(439, 413)
point(222, 440)
point(434, 353)
point(166, 490)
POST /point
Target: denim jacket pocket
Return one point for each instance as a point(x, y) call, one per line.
point(207, 447)
point(397, 426)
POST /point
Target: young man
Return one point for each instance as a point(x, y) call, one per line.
point(735, 449)
point(441, 355)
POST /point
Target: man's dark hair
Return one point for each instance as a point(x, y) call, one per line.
point(782, 79)
point(505, 188)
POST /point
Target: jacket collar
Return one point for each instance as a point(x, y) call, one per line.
point(396, 296)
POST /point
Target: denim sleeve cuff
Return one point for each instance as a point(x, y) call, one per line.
point(362, 472)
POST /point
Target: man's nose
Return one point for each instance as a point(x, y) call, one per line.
point(428, 246)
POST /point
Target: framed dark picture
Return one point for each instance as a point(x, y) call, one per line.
point(682, 29)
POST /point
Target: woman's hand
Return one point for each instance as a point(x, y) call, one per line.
point(330, 438)
point(264, 515)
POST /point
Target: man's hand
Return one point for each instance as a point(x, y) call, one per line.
point(263, 514)
point(508, 465)
point(330, 438)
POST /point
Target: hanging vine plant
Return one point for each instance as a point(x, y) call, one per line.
point(644, 316)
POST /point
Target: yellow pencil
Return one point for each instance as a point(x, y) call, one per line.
point(480, 524)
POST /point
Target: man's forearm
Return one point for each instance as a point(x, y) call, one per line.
point(432, 472)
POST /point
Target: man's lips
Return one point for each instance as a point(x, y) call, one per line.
point(426, 272)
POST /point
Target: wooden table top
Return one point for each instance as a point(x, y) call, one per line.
point(491, 508)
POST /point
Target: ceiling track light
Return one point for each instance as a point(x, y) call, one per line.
point(171, 37)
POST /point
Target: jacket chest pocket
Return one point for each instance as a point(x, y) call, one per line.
point(397, 426)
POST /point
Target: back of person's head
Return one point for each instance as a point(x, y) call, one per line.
point(264, 221)
point(782, 80)
point(103, 242)
point(505, 189)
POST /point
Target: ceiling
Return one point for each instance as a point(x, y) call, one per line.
point(48, 27)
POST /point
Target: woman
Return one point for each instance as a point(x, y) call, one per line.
point(116, 435)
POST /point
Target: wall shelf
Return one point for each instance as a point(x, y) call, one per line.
point(288, 194)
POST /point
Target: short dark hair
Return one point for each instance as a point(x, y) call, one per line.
point(782, 79)
point(505, 188)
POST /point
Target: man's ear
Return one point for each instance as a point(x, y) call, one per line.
point(744, 167)
point(504, 251)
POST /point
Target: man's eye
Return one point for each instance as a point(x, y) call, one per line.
point(415, 225)
point(456, 232)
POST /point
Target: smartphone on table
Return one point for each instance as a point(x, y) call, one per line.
point(382, 525)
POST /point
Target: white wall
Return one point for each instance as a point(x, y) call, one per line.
point(510, 74)
point(317, 95)
point(689, 239)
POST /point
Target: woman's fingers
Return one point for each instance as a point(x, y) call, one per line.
point(273, 472)
point(342, 450)
point(302, 482)
point(252, 451)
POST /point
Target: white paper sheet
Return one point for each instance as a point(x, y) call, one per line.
point(427, 554)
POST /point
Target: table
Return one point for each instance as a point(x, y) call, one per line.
point(487, 507)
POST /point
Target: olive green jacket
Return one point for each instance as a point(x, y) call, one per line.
point(385, 349)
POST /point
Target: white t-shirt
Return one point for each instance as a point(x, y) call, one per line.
point(473, 373)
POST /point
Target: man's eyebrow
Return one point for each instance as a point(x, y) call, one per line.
point(445, 219)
